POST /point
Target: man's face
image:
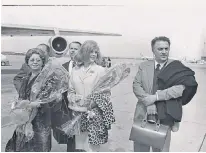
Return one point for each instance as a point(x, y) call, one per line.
point(73, 49)
point(161, 51)
point(43, 48)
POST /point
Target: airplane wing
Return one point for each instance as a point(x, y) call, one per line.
point(25, 30)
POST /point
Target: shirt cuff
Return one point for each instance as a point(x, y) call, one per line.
point(157, 97)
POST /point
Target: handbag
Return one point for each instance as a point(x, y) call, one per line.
point(150, 134)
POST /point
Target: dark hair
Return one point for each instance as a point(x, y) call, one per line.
point(47, 47)
point(38, 51)
point(160, 38)
point(76, 42)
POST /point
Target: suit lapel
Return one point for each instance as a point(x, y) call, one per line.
point(150, 75)
point(66, 65)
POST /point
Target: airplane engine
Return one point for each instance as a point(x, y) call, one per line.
point(59, 46)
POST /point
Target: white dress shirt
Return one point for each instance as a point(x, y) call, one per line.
point(161, 64)
point(70, 67)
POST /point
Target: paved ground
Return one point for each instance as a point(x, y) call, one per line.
point(188, 139)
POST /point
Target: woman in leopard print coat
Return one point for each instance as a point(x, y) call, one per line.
point(95, 123)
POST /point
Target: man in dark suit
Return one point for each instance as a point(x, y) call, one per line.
point(146, 90)
point(61, 112)
point(74, 47)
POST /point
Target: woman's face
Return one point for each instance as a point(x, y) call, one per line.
point(93, 56)
point(35, 62)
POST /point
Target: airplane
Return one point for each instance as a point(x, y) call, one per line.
point(4, 61)
point(57, 42)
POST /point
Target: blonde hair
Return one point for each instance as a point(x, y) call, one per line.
point(85, 50)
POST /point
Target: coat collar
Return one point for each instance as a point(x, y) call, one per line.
point(66, 65)
point(87, 73)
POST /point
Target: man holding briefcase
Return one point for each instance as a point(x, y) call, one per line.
point(162, 86)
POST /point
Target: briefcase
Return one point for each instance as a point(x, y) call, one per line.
point(151, 134)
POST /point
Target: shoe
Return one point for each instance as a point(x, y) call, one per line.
point(79, 150)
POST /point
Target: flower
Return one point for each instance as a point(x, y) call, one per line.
point(52, 81)
point(91, 71)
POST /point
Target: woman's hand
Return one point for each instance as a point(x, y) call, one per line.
point(34, 105)
point(91, 114)
point(29, 131)
point(22, 104)
point(59, 96)
point(76, 98)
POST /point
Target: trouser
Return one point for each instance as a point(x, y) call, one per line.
point(144, 148)
point(71, 144)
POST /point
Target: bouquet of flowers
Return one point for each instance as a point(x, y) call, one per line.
point(112, 77)
point(48, 86)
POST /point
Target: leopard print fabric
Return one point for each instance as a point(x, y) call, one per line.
point(98, 126)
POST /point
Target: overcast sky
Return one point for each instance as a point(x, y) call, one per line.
point(184, 22)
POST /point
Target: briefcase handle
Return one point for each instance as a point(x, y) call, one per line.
point(144, 122)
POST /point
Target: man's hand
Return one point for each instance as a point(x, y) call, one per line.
point(149, 100)
point(151, 109)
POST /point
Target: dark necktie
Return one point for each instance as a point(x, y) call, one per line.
point(73, 64)
point(157, 68)
point(156, 72)
point(151, 117)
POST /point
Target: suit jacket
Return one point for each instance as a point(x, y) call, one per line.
point(60, 115)
point(143, 85)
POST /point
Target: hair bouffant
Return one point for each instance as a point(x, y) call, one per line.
point(85, 50)
point(32, 51)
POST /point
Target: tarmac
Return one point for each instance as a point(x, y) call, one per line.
point(189, 138)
